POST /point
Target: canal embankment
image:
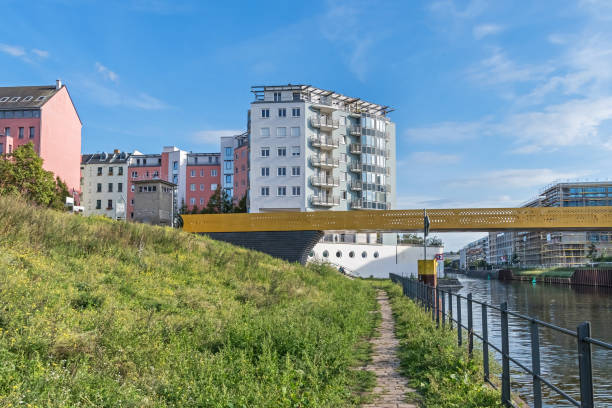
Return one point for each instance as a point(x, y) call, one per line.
point(601, 277)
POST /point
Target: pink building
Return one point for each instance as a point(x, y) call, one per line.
point(45, 116)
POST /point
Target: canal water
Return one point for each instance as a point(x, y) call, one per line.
point(561, 305)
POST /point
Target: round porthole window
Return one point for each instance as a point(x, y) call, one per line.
point(352, 254)
point(339, 254)
point(376, 254)
point(325, 254)
point(364, 254)
point(311, 254)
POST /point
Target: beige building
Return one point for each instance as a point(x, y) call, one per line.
point(154, 202)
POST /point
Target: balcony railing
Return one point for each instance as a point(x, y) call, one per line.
point(324, 104)
point(328, 201)
point(322, 181)
point(355, 130)
point(355, 166)
point(355, 185)
point(324, 162)
point(324, 142)
point(324, 123)
point(356, 204)
point(355, 148)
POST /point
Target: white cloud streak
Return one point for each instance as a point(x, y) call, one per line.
point(211, 137)
point(20, 52)
point(106, 73)
point(483, 30)
point(110, 97)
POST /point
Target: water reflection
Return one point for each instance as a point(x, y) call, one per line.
point(561, 305)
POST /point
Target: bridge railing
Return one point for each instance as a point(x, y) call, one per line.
point(435, 301)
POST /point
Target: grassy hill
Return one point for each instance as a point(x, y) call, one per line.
point(101, 313)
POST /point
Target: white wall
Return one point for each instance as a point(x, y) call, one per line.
point(398, 259)
point(89, 188)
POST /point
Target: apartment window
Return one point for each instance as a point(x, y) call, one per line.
point(110, 187)
point(192, 201)
point(295, 190)
point(277, 96)
point(265, 191)
point(281, 171)
point(295, 112)
point(343, 140)
point(175, 179)
point(111, 170)
point(343, 176)
point(120, 171)
point(282, 151)
point(282, 113)
point(295, 170)
point(98, 204)
point(213, 187)
point(21, 133)
point(295, 132)
point(192, 173)
point(99, 188)
point(228, 165)
point(175, 165)
point(213, 173)
point(236, 156)
point(110, 205)
point(281, 131)
point(201, 201)
point(155, 174)
point(264, 132)
point(201, 172)
point(295, 151)
point(265, 113)
point(99, 171)
point(265, 152)
point(228, 152)
point(228, 179)
point(343, 194)
point(120, 187)
point(133, 188)
point(31, 132)
point(7, 131)
point(281, 191)
point(201, 187)
point(192, 187)
point(265, 171)
point(296, 96)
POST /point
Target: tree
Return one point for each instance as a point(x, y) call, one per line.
point(592, 253)
point(21, 173)
point(183, 209)
point(195, 210)
point(241, 207)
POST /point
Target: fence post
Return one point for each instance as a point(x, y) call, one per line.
point(450, 308)
point(505, 395)
point(434, 306)
point(470, 325)
point(535, 364)
point(437, 307)
point(584, 365)
point(459, 339)
point(442, 298)
point(485, 343)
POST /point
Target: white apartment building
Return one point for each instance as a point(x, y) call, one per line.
point(104, 184)
point(313, 149)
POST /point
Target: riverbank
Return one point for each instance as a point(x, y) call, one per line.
point(95, 312)
point(442, 373)
point(577, 276)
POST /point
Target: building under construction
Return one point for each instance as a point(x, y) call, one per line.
point(564, 249)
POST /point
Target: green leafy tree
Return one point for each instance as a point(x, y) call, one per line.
point(592, 252)
point(195, 210)
point(183, 208)
point(21, 173)
point(241, 207)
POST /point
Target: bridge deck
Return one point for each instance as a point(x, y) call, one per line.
point(441, 220)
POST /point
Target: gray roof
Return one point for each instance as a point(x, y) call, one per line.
point(105, 158)
point(25, 97)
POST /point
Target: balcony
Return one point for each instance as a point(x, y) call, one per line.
point(355, 130)
point(355, 148)
point(322, 181)
point(324, 143)
point(356, 204)
point(355, 166)
point(323, 104)
point(355, 185)
point(324, 123)
point(329, 201)
point(324, 162)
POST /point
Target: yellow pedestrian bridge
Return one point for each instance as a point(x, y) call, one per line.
point(292, 235)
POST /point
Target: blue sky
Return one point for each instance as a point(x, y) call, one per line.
point(493, 100)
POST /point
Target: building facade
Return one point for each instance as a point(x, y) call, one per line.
point(203, 179)
point(104, 184)
point(312, 149)
point(46, 117)
point(474, 253)
point(154, 202)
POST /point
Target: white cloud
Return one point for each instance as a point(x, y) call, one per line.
point(106, 96)
point(498, 68)
point(520, 178)
point(210, 137)
point(107, 73)
point(41, 53)
point(483, 30)
point(12, 50)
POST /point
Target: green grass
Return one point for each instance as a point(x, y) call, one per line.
point(441, 372)
point(552, 272)
point(96, 313)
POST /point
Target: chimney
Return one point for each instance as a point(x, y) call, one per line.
point(116, 151)
point(58, 83)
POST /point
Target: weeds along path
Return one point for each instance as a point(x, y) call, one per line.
point(391, 386)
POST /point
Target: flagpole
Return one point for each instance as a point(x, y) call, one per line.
point(424, 236)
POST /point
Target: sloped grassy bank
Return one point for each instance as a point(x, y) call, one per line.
point(440, 371)
point(101, 313)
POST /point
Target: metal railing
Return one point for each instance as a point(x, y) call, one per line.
point(323, 142)
point(324, 122)
point(355, 166)
point(355, 185)
point(325, 201)
point(324, 162)
point(434, 300)
point(323, 181)
point(355, 130)
point(355, 148)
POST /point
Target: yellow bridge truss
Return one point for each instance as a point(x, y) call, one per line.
point(448, 220)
